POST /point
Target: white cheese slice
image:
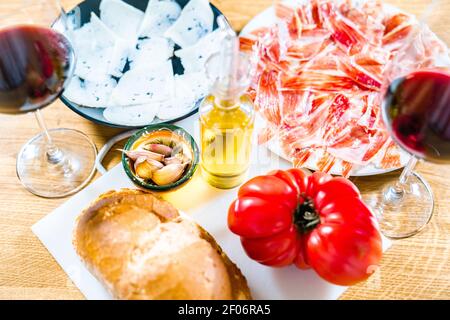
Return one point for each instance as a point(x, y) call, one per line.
point(194, 58)
point(159, 16)
point(195, 21)
point(138, 115)
point(121, 18)
point(90, 94)
point(151, 51)
point(145, 85)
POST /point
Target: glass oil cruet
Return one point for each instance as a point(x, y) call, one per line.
point(227, 115)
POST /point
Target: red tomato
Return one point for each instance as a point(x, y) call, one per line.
point(314, 221)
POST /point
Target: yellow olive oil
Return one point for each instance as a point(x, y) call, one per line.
point(227, 114)
point(226, 129)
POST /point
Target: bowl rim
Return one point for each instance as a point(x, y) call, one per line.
point(155, 127)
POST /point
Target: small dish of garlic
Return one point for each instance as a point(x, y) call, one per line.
point(160, 157)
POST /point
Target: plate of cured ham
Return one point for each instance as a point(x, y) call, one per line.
point(321, 67)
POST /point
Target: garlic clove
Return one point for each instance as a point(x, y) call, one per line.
point(185, 160)
point(135, 154)
point(138, 161)
point(159, 148)
point(179, 158)
point(178, 148)
point(173, 160)
point(168, 174)
point(144, 171)
point(144, 167)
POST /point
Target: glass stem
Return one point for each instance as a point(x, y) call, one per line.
point(394, 194)
point(407, 170)
point(54, 154)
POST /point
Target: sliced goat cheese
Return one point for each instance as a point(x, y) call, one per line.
point(195, 21)
point(88, 93)
point(137, 115)
point(194, 58)
point(121, 18)
point(151, 51)
point(145, 85)
point(159, 16)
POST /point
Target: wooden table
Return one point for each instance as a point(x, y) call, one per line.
point(416, 268)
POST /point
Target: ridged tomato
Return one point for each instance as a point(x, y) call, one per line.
point(316, 221)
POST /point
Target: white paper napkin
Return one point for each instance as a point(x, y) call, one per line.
point(208, 206)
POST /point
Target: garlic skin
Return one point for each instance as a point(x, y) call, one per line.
point(169, 174)
point(135, 154)
point(159, 148)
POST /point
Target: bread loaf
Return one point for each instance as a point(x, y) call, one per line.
point(139, 247)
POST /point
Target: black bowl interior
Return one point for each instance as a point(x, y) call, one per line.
point(81, 15)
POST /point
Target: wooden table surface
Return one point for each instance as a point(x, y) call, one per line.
point(415, 268)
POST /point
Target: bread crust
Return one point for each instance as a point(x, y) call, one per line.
point(109, 232)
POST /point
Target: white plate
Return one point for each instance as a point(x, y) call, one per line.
point(266, 18)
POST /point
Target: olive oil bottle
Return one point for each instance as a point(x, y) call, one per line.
point(227, 118)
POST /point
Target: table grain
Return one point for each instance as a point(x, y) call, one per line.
point(415, 268)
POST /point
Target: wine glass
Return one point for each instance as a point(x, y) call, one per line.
point(36, 63)
point(416, 111)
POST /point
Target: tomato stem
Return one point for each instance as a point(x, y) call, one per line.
point(306, 217)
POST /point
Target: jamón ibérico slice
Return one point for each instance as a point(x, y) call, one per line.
point(290, 104)
point(265, 135)
point(394, 21)
point(346, 168)
point(317, 81)
point(397, 34)
point(289, 16)
point(317, 33)
point(304, 51)
point(267, 97)
point(344, 32)
point(326, 162)
point(300, 157)
point(348, 136)
point(246, 43)
point(318, 101)
point(370, 111)
point(334, 122)
point(373, 61)
point(397, 27)
point(361, 76)
point(377, 141)
point(391, 158)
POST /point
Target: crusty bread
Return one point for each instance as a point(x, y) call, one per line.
point(139, 247)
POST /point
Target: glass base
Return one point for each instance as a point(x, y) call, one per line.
point(66, 173)
point(402, 210)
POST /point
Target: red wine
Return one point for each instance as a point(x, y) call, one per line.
point(417, 111)
point(34, 65)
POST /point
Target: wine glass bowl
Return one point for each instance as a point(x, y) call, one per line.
point(417, 113)
point(36, 63)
